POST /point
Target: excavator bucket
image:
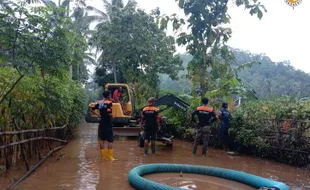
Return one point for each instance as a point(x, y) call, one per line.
point(126, 131)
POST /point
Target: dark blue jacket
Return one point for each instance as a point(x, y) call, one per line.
point(225, 117)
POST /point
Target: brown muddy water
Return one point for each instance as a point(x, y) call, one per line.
point(80, 167)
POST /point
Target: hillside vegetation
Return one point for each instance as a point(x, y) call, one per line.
point(45, 49)
point(268, 79)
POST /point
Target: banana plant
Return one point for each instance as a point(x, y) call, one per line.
point(230, 84)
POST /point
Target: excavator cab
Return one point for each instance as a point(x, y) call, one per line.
point(125, 108)
point(122, 112)
point(125, 117)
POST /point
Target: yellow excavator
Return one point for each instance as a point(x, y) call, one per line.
point(126, 117)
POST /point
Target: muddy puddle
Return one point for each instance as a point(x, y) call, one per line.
point(78, 166)
point(194, 181)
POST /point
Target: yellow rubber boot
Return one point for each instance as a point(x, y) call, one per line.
point(110, 155)
point(103, 154)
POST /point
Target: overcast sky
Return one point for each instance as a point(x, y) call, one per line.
point(282, 34)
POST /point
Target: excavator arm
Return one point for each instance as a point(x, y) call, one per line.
point(170, 101)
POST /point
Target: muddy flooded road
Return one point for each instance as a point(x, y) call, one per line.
point(194, 181)
point(78, 166)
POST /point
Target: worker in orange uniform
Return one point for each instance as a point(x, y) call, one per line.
point(105, 132)
point(206, 116)
point(150, 125)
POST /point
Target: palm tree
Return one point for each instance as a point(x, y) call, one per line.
point(109, 9)
point(50, 3)
point(105, 16)
point(81, 21)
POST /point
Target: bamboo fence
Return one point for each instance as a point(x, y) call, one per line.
point(30, 145)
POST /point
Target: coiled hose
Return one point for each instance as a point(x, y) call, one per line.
point(140, 183)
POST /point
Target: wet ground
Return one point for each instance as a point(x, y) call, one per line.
point(194, 181)
point(80, 167)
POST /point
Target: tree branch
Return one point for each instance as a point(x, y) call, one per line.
point(8, 92)
point(20, 75)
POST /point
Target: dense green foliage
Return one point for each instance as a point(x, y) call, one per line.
point(39, 44)
point(272, 79)
point(256, 130)
point(37, 47)
point(216, 71)
point(134, 51)
point(278, 129)
point(268, 79)
point(36, 103)
point(209, 69)
point(263, 128)
point(183, 84)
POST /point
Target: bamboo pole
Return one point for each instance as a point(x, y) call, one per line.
point(32, 169)
point(30, 131)
point(23, 151)
point(38, 151)
point(32, 139)
point(24, 156)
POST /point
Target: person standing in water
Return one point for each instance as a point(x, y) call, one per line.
point(224, 116)
point(105, 132)
point(150, 125)
point(206, 116)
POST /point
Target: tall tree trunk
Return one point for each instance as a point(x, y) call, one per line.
point(203, 80)
point(203, 88)
point(68, 11)
point(114, 71)
point(78, 72)
point(70, 71)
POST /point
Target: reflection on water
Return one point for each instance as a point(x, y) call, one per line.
point(194, 181)
point(81, 168)
point(87, 180)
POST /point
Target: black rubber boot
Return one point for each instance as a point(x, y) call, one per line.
point(195, 149)
point(204, 151)
point(146, 149)
point(153, 149)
